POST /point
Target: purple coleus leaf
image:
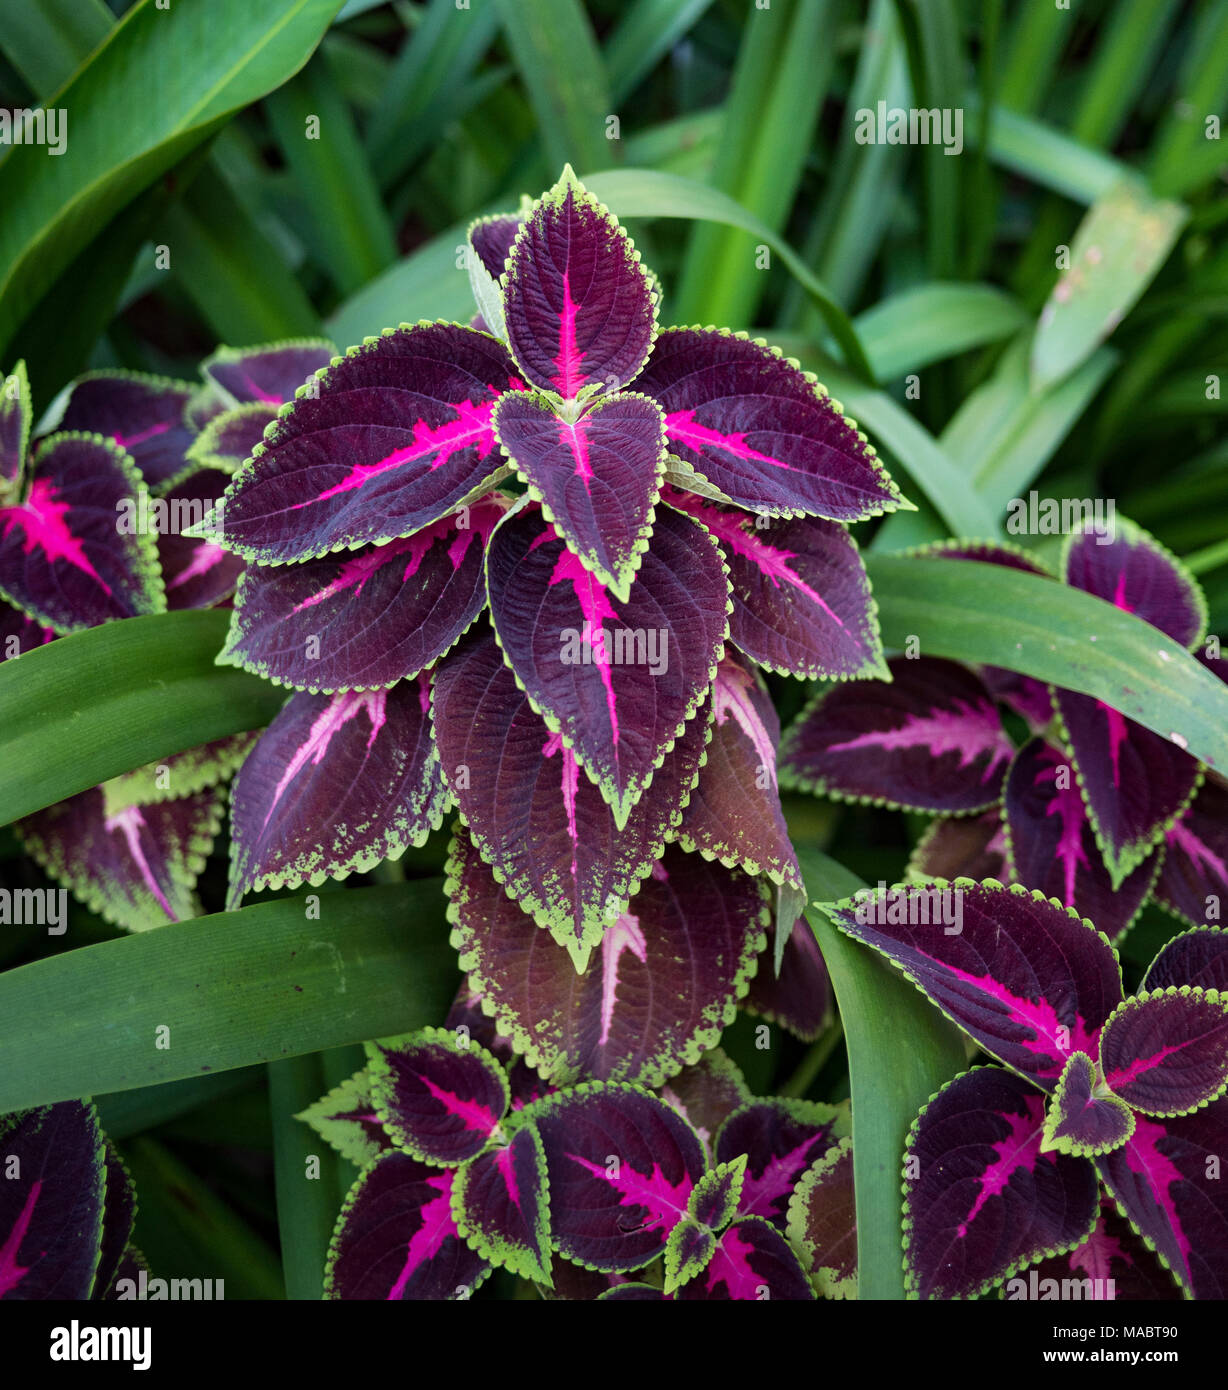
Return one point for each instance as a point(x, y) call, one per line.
point(617, 681)
point(371, 618)
point(229, 439)
point(1111, 1265)
point(144, 415)
point(734, 813)
point(20, 634)
point(621, 1166)
point(500, 1203)
point(336, 784)
point(1194, 958)
point(575, 871)
point(270, 373)
point(118, 1216)
point(1165, 1052)
point(394, 436)
point(715, 1198)
point(135, 864)
point(752, 423)
point(397, 1238)
point(982, 1197)
point(1193, 882)
point(197, 573)
point(799, 998)
point(780, 1139)
point(1133, 571)
point(822, 1225)
point(1026, 978)
point(931, 740)
point(346, 1119)
point(68, 558)
point(687, 1251)
point(752, 1261)
point(663, 983)
point(51, 1203)
point(1167, 1180)
point(706, 1094)
point(801, 597)
point(492, 238)
point(1134, 783)
point(597, 477)
point(16, 417)
point(438, 1098)
point(579, 310)
point(1053, 847)
point(1084, 1117)
point(963, 847)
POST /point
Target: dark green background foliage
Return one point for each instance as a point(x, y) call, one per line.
point(196, 210)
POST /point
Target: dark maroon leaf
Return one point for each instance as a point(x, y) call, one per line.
point(764, 432)
point(931, 740)
point(71, 552)
point(336, 784)
point(491, 238)
point(1081, 1118)
point(1193, 882)
point(1112, 1264)
point(781, 1139)
point(1027, 979)
point(501, 1206)
point(580, 313)
point(118, 1214)
point(197, 573)
point(230, 439)
point(1166, 1052)
point(621, 1166)
point(963, 847)
point(799, 998)
point(597, 477)
point(617, 681)
point(397, 435)
point(706, 1094)
point(143, 414)
point(715, 1198)
point(1194, 958)
point(689, 1248)
point(823, 1222)
point(981, 1199)
point(663, 983)
point(752, 1261)
point(397, 1239)
point(270, 373)
point(20, 634)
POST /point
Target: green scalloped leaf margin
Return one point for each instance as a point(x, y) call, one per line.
point(1051, 1141)
point(516, 1258)
point(1213, 996)
point(346, 1137)
point(827, 1281)
point(192, 771)
point(734, 1171)
point(680, 1270)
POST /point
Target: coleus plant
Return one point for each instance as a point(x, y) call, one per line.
point(1092, 808)
point(67, 1207)
point(1097, 1093)
point(146, 453)
point(531, 567)
point(699, 1192)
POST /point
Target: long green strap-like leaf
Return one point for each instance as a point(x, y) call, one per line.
point(900, 1051)
point(262, 984)
point(1003, 617)
point(98, 703)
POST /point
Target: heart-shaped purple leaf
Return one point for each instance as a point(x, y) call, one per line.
point(439, 1099)
point(397, 1240)
point(763, 431)
point(752, 1262)
point(136, 865)
point(144, 415)
point(931, 740)
point(734, 812)
point(1053, 846)
point(617, 681)
point(1194, 958)
point(579, 310)
point(1131, 570)
point(1167, 1180)
point(781, 1139)
point(801, 597)
point(822, 1225)
point(336, 784)
point(377, 616)
point(981, 1198)
point(1082, 1118)
point(575, 871)
point(1165, 1052)
point(68, 556)
point(51, 1203)
point(621, 1166)
point(1026, 978)
point(269, 373)
point(687, 1251)
point(1193, 882)
point(500, 1202)
point(1111, 1265)
point(963, 847)
point(1134, 783)
point(597, 477)
point(716, 1196)
point(663, 983)
point(394, 436)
